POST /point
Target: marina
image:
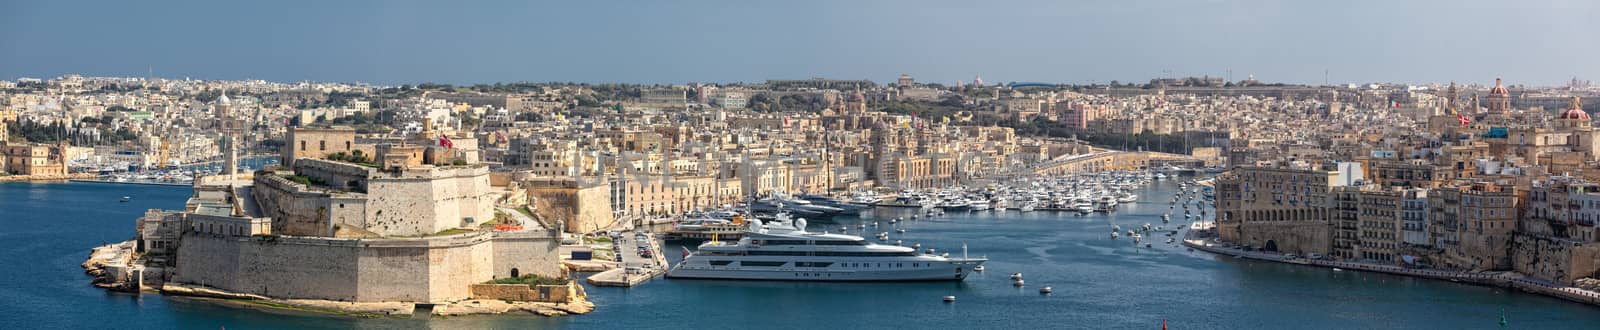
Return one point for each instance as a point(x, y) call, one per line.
point(1103, 281)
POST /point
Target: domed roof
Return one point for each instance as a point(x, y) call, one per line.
point(1498, 89)
point(224, 99)
point(1575, 110)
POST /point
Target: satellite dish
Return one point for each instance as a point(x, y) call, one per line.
point(800, 224)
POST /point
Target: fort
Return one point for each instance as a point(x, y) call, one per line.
point(325, 234)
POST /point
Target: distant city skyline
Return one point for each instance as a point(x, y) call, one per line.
point(1537, 43)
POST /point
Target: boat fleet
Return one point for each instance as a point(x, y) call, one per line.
point(1084, 194)
point(769, 238)
point(1195, 194)
point(177, 175)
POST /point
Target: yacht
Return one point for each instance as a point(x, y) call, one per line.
point(867, 198)
point(980, 205)
point(845, 208)
point(1027, 206)
point(1127, 198)
point(956, 204)
point(784, 250)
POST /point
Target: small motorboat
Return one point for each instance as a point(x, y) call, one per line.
point(902, 230)
point(978, 268)
point(1337, 269)
point(1045, 290)
point(125, 199)
point(1016, 276)
point(1016, 283)
point(949, 299)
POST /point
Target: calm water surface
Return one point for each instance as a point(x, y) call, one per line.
point(47, 230)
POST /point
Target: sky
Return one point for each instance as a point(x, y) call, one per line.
point(1536, 42)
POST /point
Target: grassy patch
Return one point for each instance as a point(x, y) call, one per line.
point(305, 180)
point(451, 231)
point(524, 210)
point(530, 279)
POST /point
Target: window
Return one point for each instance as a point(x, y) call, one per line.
point(762, 263)
point(322, 145)
point(302, 145)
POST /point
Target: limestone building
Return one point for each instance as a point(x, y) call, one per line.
point(1279, 208)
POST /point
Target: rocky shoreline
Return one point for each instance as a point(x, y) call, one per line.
point(113, 267)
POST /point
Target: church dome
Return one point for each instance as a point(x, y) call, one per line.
point(1498, 88)
point(1575, 110)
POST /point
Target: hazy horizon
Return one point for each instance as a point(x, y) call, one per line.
point(404, 42)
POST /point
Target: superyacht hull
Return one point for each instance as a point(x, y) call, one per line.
point(945, 273)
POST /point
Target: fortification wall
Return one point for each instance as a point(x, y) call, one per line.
point(528, 252)
point(294, 209)
point(348, 210)
point(1559, 261)
point(309, 269)
point(404, 207)
point(1299, 237)
point(208, 260)
point(432, 269)
point(394, 273)
point(337, 175)
point(429, 200)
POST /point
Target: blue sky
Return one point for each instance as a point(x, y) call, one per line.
point(392, 42)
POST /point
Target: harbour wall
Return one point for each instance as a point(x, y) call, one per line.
point(431, 269)
point(1491, 279)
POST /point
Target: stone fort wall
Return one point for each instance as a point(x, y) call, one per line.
point(294, 209)
point(433, 269)
point(1560, 261)
point(415, 201)
point(428, 200)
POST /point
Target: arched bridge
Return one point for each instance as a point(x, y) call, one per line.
point(1108, 161)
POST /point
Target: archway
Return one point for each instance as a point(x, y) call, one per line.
point(1272, 246)
point(514, 273)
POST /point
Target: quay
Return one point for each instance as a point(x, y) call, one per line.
point(52, 177)
point(147, 183)
point(629, 274)
point(1498, 279)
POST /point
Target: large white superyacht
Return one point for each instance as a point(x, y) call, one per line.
point(783, 250)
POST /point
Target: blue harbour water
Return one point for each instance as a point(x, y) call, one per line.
point(47, 230)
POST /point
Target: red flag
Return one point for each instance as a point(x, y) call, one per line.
point(1463, 119)
point(444, 141)
point(1163, 324)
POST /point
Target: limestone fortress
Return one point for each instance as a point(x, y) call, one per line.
point(406, 221)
